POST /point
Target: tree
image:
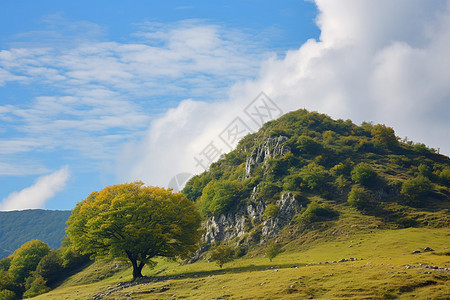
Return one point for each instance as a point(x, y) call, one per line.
point(360, 198)
point(384, 136)
point(313, 175)
point(416, 189)
point(50, 267)
point(273, 250)
point(134, 222)
point(26, 258)
point(363, 174)
point(221, 255)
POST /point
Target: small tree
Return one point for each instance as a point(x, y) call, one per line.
point(415, 189)
point(222, 254)
point(363, 174)
point(360, 198)
point(384, 136)
point(26, 258)
point(273, 250)
point(134, 222)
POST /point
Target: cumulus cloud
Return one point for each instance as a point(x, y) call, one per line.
point(381, 61)
point(39, 193)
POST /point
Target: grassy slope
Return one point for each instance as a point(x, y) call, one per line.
point(381, 274)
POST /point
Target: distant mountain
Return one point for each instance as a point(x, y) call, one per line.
point(19, 227)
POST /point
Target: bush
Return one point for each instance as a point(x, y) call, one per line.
point(37, 287)
point(219, 197)
point(316, 213)
point(406, 222)
point(415, 190)
point(313, 176)
point(360, 198)
point(384, 136)
point(444, 176)
point(271, 211)
point(363, 174)
point(7, 295)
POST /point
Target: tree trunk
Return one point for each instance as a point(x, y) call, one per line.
point(137, 268)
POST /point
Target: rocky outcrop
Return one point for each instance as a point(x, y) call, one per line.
point(271, 148)
point(251, 215)
point(289, 207)
point(228, 227)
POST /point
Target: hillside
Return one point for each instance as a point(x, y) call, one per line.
point(306, 167)
point(356, 213)
point(18, 227)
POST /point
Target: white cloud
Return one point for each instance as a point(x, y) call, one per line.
point(102, 94)
point(381, 61)
point(39, 193)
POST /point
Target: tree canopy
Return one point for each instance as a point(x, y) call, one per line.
point(134, 222)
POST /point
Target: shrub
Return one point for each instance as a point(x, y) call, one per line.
point(37, 287)
point(406, 222)
point(313, 176)
point(7, 295)
point(271, 211)
point(360, 198)
point(363, 174)
point(316, 213)
point(444, 176)
point(384, 136)
point(219, 197)
point(415, 190)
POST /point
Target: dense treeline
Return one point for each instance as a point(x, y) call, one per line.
point(18, 227)
point(334, 159)
point(34, 268)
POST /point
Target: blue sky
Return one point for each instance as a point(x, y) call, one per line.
point(94, 93)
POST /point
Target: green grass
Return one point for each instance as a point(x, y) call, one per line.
point(294, 274)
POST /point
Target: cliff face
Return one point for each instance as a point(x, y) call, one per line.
point(232, 225)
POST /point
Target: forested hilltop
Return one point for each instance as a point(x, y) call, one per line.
point(18, 227)
point(305, 167)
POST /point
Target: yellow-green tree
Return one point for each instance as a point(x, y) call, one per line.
point(134, 222)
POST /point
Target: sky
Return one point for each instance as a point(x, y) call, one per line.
point(100, 92)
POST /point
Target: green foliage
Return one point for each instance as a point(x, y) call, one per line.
point(26, 258)
point(134, 222)
point(50, 267)
point(271, 211)
point(7, 283)
point(292, 182)
point(444, 176)
point(424, 170)
point(7, 295)
point(222, 254)
point(219, 197)
point(307, 145)
point(5, 263)
point(364, 174)
point(273, 250)
point(360, 198)
point(421, 148)
point(313, 176)
point(384, 136)
point(415, 190)
point(37, 287)
point(268, 190)
point(195, 185)
point(316, 213)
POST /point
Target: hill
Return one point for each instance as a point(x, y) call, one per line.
point(306, 168)
point(357, 213)
point(19, 227)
